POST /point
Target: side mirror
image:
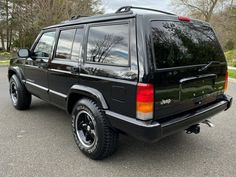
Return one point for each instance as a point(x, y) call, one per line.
point(24, 53)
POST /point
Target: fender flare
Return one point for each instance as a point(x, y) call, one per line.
point(88, 92)
point(17, 71)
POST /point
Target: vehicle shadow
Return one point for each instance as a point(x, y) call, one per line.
point(130, 150)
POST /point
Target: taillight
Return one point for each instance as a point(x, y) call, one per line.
point(226, 81)
point(183, 18)
point(144, 101)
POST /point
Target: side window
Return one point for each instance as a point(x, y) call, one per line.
point(109, 44)
point(64, 45)
point(45, 45)
point(76, 49)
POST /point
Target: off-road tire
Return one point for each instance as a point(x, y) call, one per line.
point(23, 98)
point(106, 138)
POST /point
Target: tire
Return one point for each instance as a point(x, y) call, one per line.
point(91, 131)
point(20, 97)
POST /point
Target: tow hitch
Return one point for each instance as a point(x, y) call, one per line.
point(193, 129)
point(196, 128)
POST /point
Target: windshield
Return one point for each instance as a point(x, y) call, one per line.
point(180, 43)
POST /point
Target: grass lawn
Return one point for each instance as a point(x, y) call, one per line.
point(4, 62)
point(232, 73)
point(231, 57)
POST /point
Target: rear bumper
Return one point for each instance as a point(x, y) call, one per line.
point(153, 131)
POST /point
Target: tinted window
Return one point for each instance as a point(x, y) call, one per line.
point(109, 44)
point(64, 45)
point(181, 44)
point(76, 49)
point(44, 45)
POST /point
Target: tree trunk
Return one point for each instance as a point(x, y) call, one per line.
point(2, 39)
point(10, 39)
point(7, 27)
point(20, 39)
point(231, 4)
point(11, 25)
point(209, 14)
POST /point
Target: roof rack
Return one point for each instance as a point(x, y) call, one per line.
point(128, 9)
point(73, 18)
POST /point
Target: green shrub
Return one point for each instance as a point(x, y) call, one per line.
point(230, 55)
point(5, 54)
point(232, 73)
point(229, 45)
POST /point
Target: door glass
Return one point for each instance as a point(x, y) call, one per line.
point(109, 45)
point(45, 44)
point(64, 45)
point(76, 49)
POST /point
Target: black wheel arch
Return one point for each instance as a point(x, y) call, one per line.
point(17, 71)
point(80, 91)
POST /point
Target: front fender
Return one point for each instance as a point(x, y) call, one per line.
point(17, 71)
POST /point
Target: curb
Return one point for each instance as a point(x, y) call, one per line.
point(4, 63)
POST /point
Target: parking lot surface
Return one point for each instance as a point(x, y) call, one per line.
point(39, 143)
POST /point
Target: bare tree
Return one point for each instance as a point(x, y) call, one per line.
point(220, 14)
point(224, 24)
point(204, 8)
point(2, 37)
point(21, 20)
point(101, 48)
point(231, 4)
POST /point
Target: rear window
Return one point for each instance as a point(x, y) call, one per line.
point(178, 44)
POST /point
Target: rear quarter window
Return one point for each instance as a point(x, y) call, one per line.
point(178, 44)
point(109, 44)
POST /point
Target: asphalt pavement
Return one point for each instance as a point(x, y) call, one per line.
point(39, 143)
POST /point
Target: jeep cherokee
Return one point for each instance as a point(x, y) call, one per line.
point(147, 75)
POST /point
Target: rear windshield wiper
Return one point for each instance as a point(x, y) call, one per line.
point(207, 66)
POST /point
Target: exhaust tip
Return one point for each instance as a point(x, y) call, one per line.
point(208, 123)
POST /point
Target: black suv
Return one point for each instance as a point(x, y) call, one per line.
point(143, 74)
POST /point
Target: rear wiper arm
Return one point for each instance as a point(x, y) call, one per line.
point(207, 66)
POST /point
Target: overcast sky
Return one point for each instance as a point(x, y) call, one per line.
point(112, 5)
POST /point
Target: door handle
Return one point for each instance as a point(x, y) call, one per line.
point(43, 65)
point(75, 69)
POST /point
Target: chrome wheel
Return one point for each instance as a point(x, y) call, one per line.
point(14, 92)
point(85, 129)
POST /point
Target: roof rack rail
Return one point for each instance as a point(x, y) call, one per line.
point(73, 18)
point(77, 16)
point(128, 8)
